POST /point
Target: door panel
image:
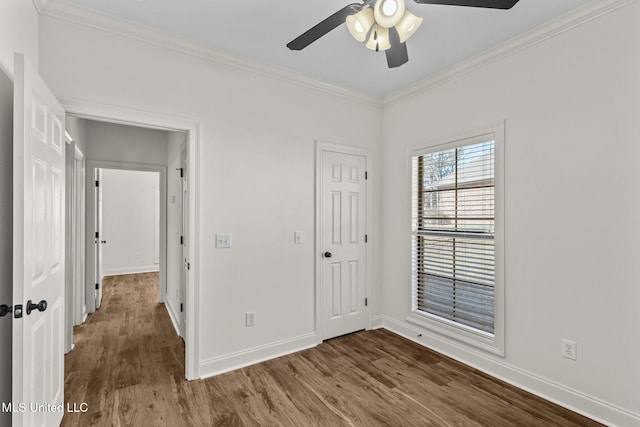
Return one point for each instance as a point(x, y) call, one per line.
point(99, 239)
point(343, 222)
point(38, 230)
point(184, 205)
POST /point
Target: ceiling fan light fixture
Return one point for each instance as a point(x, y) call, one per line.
point(379, 39)
point(388, 13)
point(360, 23)
point(408, 25)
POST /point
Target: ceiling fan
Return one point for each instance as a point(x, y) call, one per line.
point(387, 23)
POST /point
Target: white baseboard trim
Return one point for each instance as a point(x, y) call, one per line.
point(240, 359)
point(174, 317)
point(131, 270)
point(567, 397)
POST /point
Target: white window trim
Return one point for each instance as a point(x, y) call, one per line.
point(491, 343)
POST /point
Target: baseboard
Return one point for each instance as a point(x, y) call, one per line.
point(232, 361)
point(567, 397)
point(173, 315)
point(131, 270)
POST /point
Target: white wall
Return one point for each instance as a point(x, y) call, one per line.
point(78, 129)
point(256, 174)
point(129, 144)
point(572, 108)
point(6, 236)
point(129, 226)
point(18, 33)
point(173, 296)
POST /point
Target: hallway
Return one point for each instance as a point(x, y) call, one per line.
point(127, 361)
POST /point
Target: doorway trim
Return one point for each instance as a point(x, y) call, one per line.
point(126, 116)
point(321, 147)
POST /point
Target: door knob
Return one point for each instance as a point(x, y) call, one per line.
point(103, 241)
point(41, 306)
point(328, 254)
point(5, 309)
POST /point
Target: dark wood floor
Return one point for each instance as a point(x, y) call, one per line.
point(128, 366)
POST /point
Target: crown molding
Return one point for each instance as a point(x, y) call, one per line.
point(65, 10)
point(40, 4)
point(553, 28)
point(70, 12)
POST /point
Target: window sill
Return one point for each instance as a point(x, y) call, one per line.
point(480, 340)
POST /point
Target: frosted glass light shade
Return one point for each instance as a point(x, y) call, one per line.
point(388, 12)
point(381, 40)
point(360, 23)
point(408, 25)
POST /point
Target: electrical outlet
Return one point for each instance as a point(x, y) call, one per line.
point(250, 318)
point(137, 255)
point(569, 349)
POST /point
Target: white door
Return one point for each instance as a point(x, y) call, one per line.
point(38, 244)
point(343, 265)
point(183, 233)
point(99, 238)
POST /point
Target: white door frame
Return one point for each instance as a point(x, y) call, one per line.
point(75, 279)
point(79, 226)
point(120, 115)
point(184, 215)
point(322, 147)
point(92, 165)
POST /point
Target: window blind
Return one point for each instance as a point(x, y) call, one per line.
point(454, 234)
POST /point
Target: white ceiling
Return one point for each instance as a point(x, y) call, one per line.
point(260, 30)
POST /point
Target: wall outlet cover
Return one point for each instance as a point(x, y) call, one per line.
point(569, 349)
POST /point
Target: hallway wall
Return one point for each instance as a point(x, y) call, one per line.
point(130, 204)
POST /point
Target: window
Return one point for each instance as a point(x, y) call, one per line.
point(456, 280)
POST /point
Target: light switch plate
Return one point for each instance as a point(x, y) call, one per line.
point(223, 240)
point(297, 237)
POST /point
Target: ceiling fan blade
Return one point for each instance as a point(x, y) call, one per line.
point(491, 4)
point(313, 34)
point(397, 54)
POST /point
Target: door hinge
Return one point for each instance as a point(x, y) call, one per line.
point(366, 302)
point(366, 238)
point(181, 307)
point(97, 286)
point(366, 175)
point(97, 234)
point(97, 183)
point(188, 266)
point(182, 240)
point(181, 172)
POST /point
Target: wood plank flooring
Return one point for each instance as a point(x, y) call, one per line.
point(128, 366)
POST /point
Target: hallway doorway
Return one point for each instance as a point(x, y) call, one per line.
point(138, 152)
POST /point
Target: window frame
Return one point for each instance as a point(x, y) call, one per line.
point(492, 343)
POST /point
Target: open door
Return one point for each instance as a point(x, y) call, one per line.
point(184, 229)
point(38, 251)
point(99, 237)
